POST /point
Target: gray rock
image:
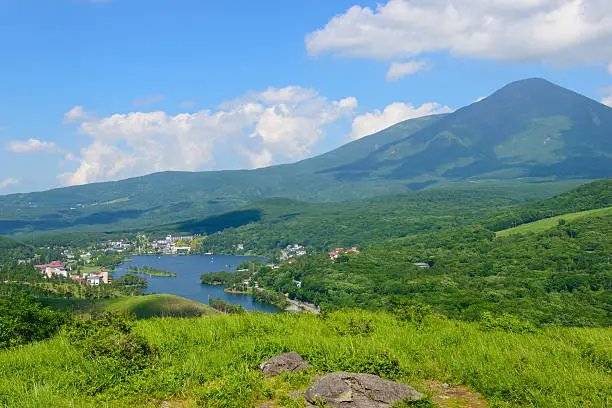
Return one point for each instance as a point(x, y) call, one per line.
point(290, 362)
point(347, 390)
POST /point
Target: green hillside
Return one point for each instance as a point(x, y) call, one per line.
point(271, 224)
point(597, 194)
point(529, 131)
point(213, 361)
point(141, 306)
point(529, 128)
point(548, 223)
point(11, 249)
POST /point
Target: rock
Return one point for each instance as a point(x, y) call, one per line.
point(347, 390)
point(290, 362)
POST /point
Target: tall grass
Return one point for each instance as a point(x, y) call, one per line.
point(212, 361)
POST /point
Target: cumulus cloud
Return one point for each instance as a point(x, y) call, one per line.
point(399, 70)
point(39, 146)
point(262, 128)
point(32, 146)
point(607, 101)
point(552, 31)
point(372, 122)
point(7, 182)
point(148, 100)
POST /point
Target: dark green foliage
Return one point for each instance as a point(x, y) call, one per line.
point(224, 278)
point(560, 277)
point(23, 320)
point(109, 260)
point(131, 284)
point(505, 322)
point(16, 272)
point(226, 307)
point(109, 337)
point(329, 225)
point(12, 250)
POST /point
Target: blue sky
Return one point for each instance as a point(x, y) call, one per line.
point(104, 90)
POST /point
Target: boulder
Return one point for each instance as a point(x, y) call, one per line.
point(348, 390)
point(290, 362)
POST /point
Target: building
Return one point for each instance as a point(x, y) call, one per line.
point(292, 251)
point(338, 251)
point(98, 278)
point(55, 268)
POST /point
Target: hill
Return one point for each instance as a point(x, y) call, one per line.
point(11, 249)
point(530, 130)
point(548, 223)
point(141, 306)
point(213, 361)
point(597, 194)
point(555, 276)
point(268, 225)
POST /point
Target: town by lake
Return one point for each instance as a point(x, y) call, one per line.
point(187, 281)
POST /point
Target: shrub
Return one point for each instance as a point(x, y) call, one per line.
point(110, 336)
point(506, 322)
point(23, 320)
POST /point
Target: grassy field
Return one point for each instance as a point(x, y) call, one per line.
point(212, 362)
point(142, 306)
point(547, 223)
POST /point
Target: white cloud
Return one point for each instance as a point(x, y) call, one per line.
point(32, 146)
point(399, 70)
point(148, 100)
point(262, 128)
point(480, 98)
point(39, 146)
point(76, 114)
point(552, 31)
point(7, 182)
point(607, 92)
point(372, 122)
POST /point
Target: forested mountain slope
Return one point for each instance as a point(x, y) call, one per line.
point(530, 130)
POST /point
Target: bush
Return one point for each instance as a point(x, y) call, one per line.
point(506, 322)
point(23, 320)
point(109, 336)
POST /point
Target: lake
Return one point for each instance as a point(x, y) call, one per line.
point(187, 282)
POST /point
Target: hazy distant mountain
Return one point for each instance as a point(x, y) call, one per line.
point(528, 130)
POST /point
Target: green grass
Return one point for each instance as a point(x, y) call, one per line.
point(548, 223)
point(142, 306)
point(212, 362)
point(91, 268)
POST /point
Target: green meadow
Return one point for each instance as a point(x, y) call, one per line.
point(548, 223)
point(213, 361)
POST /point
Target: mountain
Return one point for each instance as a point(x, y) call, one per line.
point(530, 130)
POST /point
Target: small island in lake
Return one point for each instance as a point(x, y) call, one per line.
point(147, 270)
